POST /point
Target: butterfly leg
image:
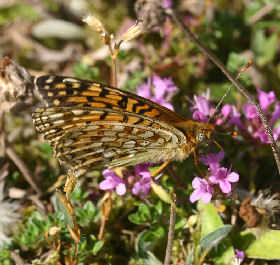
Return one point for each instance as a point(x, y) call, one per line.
point(218, 145)
point(196, 162)
point(106, 207)
point(160, 168)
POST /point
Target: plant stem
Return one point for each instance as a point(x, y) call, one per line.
point(231, 77)
point(170, 232)
point(114, 72)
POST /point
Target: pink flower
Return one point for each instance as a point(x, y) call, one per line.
point(226, 111)
point(223, 177)
point(202, 190)
point(167, 3)
point(266, 99)
point(198, 116)
point(138, 182)
point(275, 115)
point(144, 90)
point(250, 112)
point(262, 135)
point(234, 118)
point(112, 181)
point(239, 254)
point(143, 185)
point(159, 90)
point(213, 160)
point(201, 106)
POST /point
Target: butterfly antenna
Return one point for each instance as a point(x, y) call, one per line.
point(228, 90)
point(232, 133)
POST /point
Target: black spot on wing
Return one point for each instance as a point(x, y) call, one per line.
point(139, 121)
point(104, 92)
point(103, 116)
point(123, 103)
point(89, 98)
point(139, 104)
point(143, 111)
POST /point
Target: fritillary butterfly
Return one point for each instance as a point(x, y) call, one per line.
point(94, 125)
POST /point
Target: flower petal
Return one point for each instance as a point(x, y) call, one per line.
point(213, 179)
point(226, 110)
point(144, 90)
point(195, 196)
point(212, 158)
point(106, 185)
point(225, 186)
point(196, 182)
point(136, 188)
point(198, 116)
point(167, 105)
point(108, 173)
point(121, 189)
point(160, 87)
point(233, 177)
point(206, 197)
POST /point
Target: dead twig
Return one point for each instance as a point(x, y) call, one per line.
point(15, 158)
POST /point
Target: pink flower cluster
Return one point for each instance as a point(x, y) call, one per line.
point(201, 106)
point(138, 182)
point(218, 176)
point(249, 123)
point(159, 90)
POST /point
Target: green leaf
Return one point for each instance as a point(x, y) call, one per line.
point(142, 216)
point(147, 240)
point(266, 247)
point(158, 206)
point(151, 259)
point(210, 222)
point(264, 48)
point(161, 193)
point(97, 246)
point(89, 209)
point(212, 239)
point(46, 150)
point(180, 223)
point(85, 70)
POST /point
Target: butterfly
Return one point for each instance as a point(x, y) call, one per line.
point(91, 125)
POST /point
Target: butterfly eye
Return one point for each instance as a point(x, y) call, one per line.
point(200, 136)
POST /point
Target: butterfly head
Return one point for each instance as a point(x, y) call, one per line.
point(196, 132)
point(203, 132)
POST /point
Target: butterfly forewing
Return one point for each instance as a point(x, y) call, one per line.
point(64, 91)
point(90, 124)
